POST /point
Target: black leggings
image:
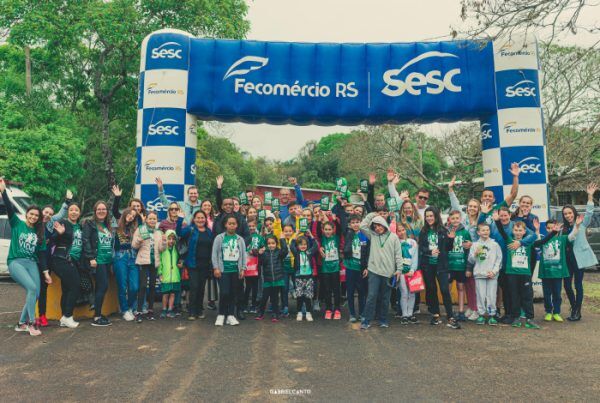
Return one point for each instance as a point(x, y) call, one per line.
point(230, 284)
point(43, 295)
point(273, 293)
point(521, 295)
point(431, 290)
point(304, 300)
point(147, 271)
point(69, 284)
point(251, 288)
point(101, 277)
point(198, 279)
point(331, 286)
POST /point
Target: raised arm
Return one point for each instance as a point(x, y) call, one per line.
point(371, 191)
point(219, 193)
point(161, 191)
point(454, 202)
point(298, 190)
point(514, 190)
point(116, 191)
point(589, 208)
point(10, 211)
point(62, 213)
point(365, 225)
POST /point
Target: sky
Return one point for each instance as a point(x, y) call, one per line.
point(339, 21)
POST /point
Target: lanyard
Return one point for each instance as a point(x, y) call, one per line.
point(381, 244)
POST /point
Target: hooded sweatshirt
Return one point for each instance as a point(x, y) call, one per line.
point(168, 262)
point(385, 255)
point(486, 256)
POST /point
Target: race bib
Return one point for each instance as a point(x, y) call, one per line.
point(519, 261)
point(356, 249)
point(331, 252)
point(305, 269)
point(552, 252)
point(231, 251)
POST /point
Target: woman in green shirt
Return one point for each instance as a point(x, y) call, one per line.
point(26, 256)
point(98, 255)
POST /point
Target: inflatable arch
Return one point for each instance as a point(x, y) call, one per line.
point(183, 78)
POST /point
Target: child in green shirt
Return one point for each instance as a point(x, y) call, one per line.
point(457, 258)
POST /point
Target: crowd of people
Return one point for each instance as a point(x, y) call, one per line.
point(246, 255)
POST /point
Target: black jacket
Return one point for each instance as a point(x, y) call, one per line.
point(62, 242)
point(444, 245)
point(364, 248)
point(311, 253)
point(89, 239)
point(242, 229)
point(271, 262)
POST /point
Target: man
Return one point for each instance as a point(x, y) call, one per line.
point(421, 201)
point(225, 207)
point(284, 199)
point(188, 207)
point(295, 213)
point(375, 201)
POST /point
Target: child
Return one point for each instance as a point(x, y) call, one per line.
point(168, 273)
point(271, 266)
point(148, 241)
point(486, 256)
point(356, 256)
point(255, 242)
point(410, 264)
point(457, 259)
point(288, 268)
point(229, 261)
point(553, 265)
point(329, 250)
point(303, 264)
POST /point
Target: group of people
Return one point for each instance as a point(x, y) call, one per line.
point(253, 256)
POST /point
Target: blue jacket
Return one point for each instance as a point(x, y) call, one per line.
point(584, 254)
point(190, 233)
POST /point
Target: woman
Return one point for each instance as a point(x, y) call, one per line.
point(410, 219)
point(523, 212)
point(579, 253)
point(134, 204)
point(26, 258)
point(198, 259)
point(66, 256)
point(98, 256)
point(209, 212)
point(211, 282)
point(170, 223)
point(257, 203)
point(126, 272)
point(434, 244)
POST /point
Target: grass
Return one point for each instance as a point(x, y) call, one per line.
point(592, 295)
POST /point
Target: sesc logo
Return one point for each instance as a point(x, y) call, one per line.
point(157, 204)
point(245, 65)
point(530, 166)
point(524, 88)
point(167, 127)
point(168, 50)
point(433, 81)
point(486, 131)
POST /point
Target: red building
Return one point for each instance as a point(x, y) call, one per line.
point(309, 194)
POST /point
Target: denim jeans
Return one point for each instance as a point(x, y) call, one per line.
point(355, 281)
point(552, 299)
point(128, 279)
point(378, 291)
point(25, 273)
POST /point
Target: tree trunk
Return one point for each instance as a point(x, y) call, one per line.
point(109, 169)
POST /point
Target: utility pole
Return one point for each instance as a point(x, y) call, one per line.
point(27, 71)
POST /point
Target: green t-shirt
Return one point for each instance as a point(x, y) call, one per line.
point(457, 260)
point(517, 261)
point(256, 242)
point(432, 238)
point(353, 263)
point(278, 283)
point(76, 245)
point(553, 263)
point(406, 256)
point(288, 261)
point(23, 241)
point(105, 251)
point(331, 261)
point(304, 264)
point(231, 253)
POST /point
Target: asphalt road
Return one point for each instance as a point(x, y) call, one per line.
point(177, 360)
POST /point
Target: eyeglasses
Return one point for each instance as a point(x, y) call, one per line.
point(424, 197)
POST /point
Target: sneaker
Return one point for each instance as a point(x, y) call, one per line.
point(220, 320)
point(240, 314)
point(191, 317)
point(473, 316)
point(328, 315)
point(404, 321)
point(517, 323)
point(492, 321)
point(530, 324)
point(232, 321)
point(398, 315)
point(417, 311)
point(384, 324)
point(101, 322)
point(211, 305)
point(145, 311)
point(274, 319)
point(43, 321)
point(270, 308)
point(309, 317)
point(353, 319)
point(317, 307)
point(138, 318)
point(453, 323)
point(364, 325)
point(506, 320)
point(285, 312)
point(201, 316)
point(128, 316)
point(33, 330)
point(480, 320)
point(548, 317)
point(469, 312)
point(461, 317)
point(68, 322)
point(253, 310)
point(21, 327)
point(150, 315)
point(435, 320)
point(413, 320)
point(557, 318)
point(261, 317)
point(163, 314)
point(337, 315)
point(299, 317)
point(171, 315)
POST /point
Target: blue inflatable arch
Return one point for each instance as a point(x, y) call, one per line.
point(183, 78)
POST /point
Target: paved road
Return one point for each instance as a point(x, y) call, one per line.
point(176, 360)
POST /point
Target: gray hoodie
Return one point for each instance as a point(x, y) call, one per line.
point(217, 254)
point(490, 257)
point(385, 256)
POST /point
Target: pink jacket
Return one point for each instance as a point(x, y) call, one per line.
point(143, 247)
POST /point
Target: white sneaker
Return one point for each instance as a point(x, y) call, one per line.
point(34, 331)
point(468, 312)
point(128, 316)
point(309, 317)
point(220, 320)
point(299, 317)
point(473, 317)
point(231, 320)
point(317, 307)
point(68, 322)
point(21, 327)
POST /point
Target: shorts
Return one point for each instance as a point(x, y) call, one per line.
point(168, 288)
point(458, 276)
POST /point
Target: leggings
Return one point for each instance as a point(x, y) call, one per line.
point(251, 288)
point(331, 287)
point(25, 272)
point(43, 296)
point(101, 277)
point(575, 275)
point(69, 284)
point(147, 276)
point(229, 283)
point(213, 288)
point(521, 294)
point(271, 293)
point(431, 274)
point(198, 279)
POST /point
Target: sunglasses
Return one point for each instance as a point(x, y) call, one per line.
point(423, 197)
point(173, 208)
